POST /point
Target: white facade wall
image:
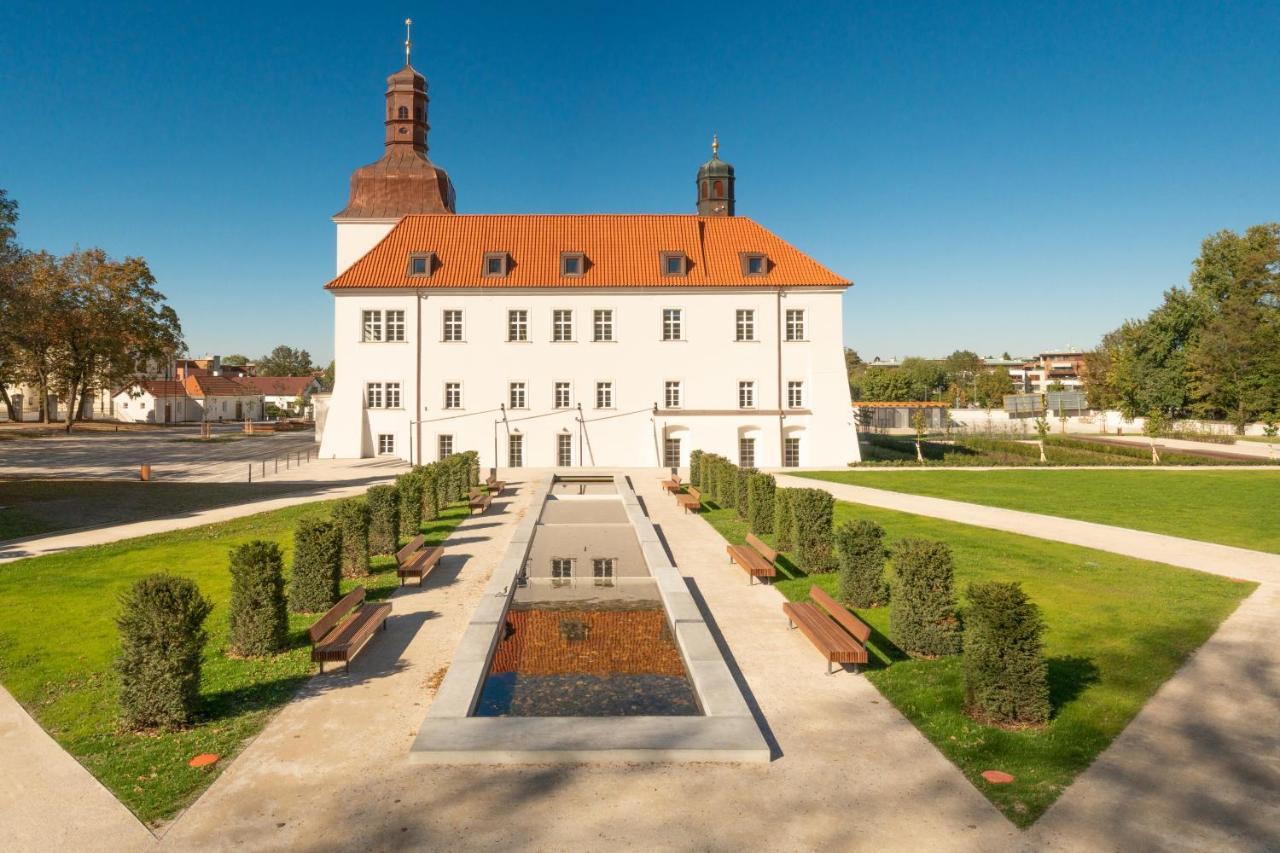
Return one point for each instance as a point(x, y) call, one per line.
point(357, 236)
point(707, 361)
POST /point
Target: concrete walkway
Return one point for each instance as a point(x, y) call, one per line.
point(326, 479)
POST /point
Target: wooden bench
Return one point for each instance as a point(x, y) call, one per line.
point(416, 561)
point(479, 501)
point(690, 500)
point(671, 486)
point(837, 633)
point(341, 633)
point(756, 558)
point(495, 486)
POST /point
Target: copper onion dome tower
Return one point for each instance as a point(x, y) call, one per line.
point(715, 184)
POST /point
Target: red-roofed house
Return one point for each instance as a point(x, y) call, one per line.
point(575, 340)
point(221, 398)
point(155, 401)
point(284, 392)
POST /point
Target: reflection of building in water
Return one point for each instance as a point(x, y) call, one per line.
point(614, 642)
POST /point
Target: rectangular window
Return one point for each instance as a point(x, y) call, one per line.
point(453, 395)
point(791, 453)
point(563, 395)
point(561, 325)
point(517, 396)
point(795, 324)
point(747, 452)
point(495, 264)
point(561, 571)
point(393, 395)
point(373, 395)
point(602, 325)
point(518, 325)
point(746, 395)
point(371, 326)
point(745, 325)
point(671, 453)
point(395, 325)
point(452, 326)
point(795, 394)
point(671, 394)
point(515, 450)
point(572, 264)
point(672, 324)
point(386, 444)
point(444, 446)
point(673, 263)
point(754, 264)
point(602, 570)
point(420, 264)
point(604, 395)
point(564, 450)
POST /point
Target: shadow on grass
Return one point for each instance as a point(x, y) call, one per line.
point(1068, 678)
point(261, 696)
point(885, 653)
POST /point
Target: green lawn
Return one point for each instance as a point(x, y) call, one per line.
point(58, 641)
point(1117, 628)
point(1229, 507)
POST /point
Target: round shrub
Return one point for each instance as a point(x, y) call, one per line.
point(922, 612)
point(860, 556)
point(741, 496)
point(1006, 678)
point(162, 639)
point(812, 511)
point(695, 468)
point(257, 616)
point(317, 566)
point(784, 523)
point(352, 517)
point(760, 489)
point(409, 486)
point(384, 519)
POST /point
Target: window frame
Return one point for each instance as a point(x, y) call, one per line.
point(666, 451)
point(580, 257)
point(428, 267)
point(458, 386)
point(559, 577)
point(524, 325)
point(750, 442)
point(398, 325)
point(666, 394)
point(555, 394)
point(387, 389)
point(515, 450)
point(564, 449)
point(373, 398)
point(676, 324)
point(365, 314)
point(446, 323)
point(511, 394)
point(504, 265)
point(597, 323)
point(605, 385)
point(791, 451)
point(747, 325)
point(598, 575)
point(795, 393)
point(440, 445)
point(389, 439)
point(555, 330)
point(795, 333)
point(745, 259)
point(748, 386)
point(684, 264)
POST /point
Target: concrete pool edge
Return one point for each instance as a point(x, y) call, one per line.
point(726, 731)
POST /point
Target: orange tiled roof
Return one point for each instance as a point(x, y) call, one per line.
point(159, 387)
point(278, 386)
point(622, 250)
point(217, 386)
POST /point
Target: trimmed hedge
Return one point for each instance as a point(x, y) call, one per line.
point(760, 489)
point(352, 517)
point(812, 511)
point(431, 486)
point(784, 522)
point(317, 566)
point(860, 555)
point(410, 487)
point(257, 616)
point(695, 468)
point(162, 640)
point(1006, 677)
point(922, 611)
point(741, 490)
point(384, 519)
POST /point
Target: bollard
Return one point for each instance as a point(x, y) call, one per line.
point(144, 473)
point(264, 468)
point(277, 463)
point(250, 472)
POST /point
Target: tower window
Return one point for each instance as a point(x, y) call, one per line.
point(674, 263)
point(719, 190)
point(572, 263)
point(403, 112)
point(754, 264)
point(495, 264)
point(420, 263)
point(706, 186)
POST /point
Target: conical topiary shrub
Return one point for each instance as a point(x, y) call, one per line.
point(1006, 677)
point(317, 566)
point(257, 616)
point(162, 639)
point(922, 612)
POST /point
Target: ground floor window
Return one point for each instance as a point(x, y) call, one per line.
point(746, 453)
point(671, 453)
point(791, 453)
point(386, 444)
point(602, 570)
point(562, 571)
point(564, 450)
point(515, 450)
point(444, 446)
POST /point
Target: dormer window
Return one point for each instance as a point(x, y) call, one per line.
point(420, 263)
point(755, 264)
point(496, 264)
point(674, 263)
point(572, 264)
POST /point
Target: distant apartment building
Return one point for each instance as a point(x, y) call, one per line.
point(1063, 368)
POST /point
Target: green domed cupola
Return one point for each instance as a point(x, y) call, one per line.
point(715, 184)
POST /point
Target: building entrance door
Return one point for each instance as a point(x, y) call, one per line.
point(168, 412)
point(239, 410)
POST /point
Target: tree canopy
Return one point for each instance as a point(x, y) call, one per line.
point(285, 361)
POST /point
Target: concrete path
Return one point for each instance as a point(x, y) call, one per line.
point(1189, 553)
point(1260, 449)
point(325, 479)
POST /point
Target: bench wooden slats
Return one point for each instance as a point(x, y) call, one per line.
point(420, 564)
point(480, 502)
point(756, 558)
point(691, 500)
point(409, 549)
point(495, 486)
point(839, 635)
point(670, 486)
point(343, 631)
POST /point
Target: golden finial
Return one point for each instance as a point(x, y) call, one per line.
point(408, 22)
point(715, 147)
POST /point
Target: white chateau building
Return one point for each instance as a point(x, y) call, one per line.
point(575, 340)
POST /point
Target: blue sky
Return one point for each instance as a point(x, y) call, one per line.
point(993, 176)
